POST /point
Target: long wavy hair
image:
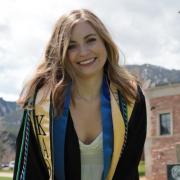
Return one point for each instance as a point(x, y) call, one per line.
point(53, 74)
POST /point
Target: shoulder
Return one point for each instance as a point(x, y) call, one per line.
point(138, 90)
point(133, 84)
point(138, 116)
point(40, 98)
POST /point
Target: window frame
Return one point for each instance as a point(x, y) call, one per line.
point(171, 123)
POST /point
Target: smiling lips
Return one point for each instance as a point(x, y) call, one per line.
point(87, 62)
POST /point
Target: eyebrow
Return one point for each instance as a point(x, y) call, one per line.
point(87, 36)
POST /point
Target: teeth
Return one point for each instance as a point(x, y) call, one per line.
point(87, 61)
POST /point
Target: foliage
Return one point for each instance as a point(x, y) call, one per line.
point(141, 168)
point(5, 178)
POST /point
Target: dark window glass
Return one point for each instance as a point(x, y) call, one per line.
point(165, 124)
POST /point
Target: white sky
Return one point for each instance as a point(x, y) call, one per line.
point(145, 31)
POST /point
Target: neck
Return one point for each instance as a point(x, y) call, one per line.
point(87, 89)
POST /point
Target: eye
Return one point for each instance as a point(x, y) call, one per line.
point(91, 40)
point(71, 46)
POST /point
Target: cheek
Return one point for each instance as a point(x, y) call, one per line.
point(71, 57)
point(103, 53)
point(101, 50)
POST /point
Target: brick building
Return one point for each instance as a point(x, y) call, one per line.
point(163, 132)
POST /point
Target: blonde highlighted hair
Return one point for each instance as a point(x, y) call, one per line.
point(53, 73)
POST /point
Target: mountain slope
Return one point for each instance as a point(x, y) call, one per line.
point(154, 75)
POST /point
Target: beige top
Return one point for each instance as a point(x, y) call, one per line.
point(92, 159)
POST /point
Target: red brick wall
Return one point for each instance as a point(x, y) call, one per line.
point(163, 148)
point(165, 104)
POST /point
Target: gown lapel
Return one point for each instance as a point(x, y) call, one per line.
point(59, 132)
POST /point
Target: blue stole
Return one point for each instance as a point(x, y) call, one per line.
point(59, 132)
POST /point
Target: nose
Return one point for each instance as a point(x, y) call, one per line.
point(83, 50)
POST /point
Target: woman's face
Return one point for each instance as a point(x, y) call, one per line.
point(86, 51)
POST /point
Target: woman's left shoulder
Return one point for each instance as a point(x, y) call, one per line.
point(139, 109)
point(139, 90)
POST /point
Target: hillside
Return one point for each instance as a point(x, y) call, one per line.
point(154, 75)
point(9, 125)
point(7, 107)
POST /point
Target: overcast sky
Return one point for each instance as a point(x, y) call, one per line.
point(145, 31)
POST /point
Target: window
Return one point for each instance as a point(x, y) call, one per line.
point(165, 124)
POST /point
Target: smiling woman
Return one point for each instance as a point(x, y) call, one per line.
point(84, 115)
point(86, 51)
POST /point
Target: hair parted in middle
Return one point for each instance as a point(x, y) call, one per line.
point(54, 73)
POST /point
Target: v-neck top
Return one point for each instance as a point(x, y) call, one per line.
point(92, 159)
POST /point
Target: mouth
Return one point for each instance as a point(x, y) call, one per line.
point(87, 61)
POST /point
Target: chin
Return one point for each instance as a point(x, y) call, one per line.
point(89, 74)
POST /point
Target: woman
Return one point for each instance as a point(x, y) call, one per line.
point(84, 115)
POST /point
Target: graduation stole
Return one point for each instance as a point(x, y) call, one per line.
point(114, 129)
